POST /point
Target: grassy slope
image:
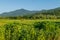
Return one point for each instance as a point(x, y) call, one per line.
point(25, 21)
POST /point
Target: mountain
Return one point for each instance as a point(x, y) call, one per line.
point(23, 12)
point(55, 12)
point(19, 12)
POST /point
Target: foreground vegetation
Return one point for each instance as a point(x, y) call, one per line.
point(29, 29)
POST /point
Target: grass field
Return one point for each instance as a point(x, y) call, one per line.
point(3, 21)
point(29, 29)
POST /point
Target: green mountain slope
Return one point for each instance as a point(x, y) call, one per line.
point(23, 12)
point(19, 12)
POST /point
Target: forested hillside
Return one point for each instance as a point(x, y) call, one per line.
point(25, 14)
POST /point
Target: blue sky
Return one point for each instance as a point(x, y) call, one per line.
point(10, 5)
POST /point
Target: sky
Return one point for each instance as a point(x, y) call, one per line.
point(10, 5)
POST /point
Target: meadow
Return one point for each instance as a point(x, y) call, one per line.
point(26, 29)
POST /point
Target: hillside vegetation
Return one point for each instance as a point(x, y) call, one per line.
point(26, 14)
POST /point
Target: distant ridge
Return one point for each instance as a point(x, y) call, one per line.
point(19, 12)
point(22, 12)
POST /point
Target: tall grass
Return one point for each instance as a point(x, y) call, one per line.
point(45, 30)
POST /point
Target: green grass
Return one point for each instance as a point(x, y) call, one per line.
point(29, 29)
point(24, 20)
